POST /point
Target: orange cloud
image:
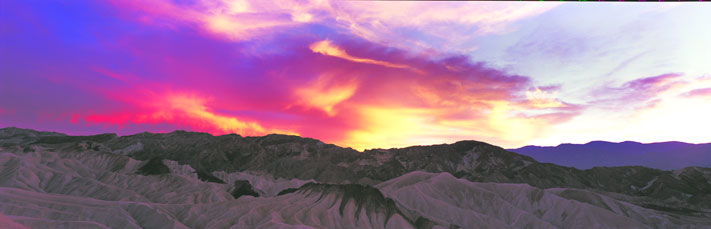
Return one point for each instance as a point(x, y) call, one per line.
point(325, 93)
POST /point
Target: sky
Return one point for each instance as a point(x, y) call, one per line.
point(360, 74)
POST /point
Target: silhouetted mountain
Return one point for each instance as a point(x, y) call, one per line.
point(662, 155)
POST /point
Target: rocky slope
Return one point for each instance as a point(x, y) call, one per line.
point(184, 179)
point(96, 190)
point(444, 199)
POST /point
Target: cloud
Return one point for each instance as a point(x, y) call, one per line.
point(665, 107)
point(433, 26)
point(541, 99)
point(696, 93)
point(182, 109)
point(637, 94)
point(387, 23)
point(653, 84)
point(160, 66)
point(325, 93)
point(194, 109)
point(456, 99)
point(234, 20)
point(326, 48)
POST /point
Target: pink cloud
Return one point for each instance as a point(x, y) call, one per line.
point(701, 92)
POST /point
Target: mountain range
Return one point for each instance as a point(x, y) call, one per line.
point(197, 180)
point(661, 155)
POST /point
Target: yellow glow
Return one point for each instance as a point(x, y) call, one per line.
point(324, 93)
point(220, 23)
point(500, 126)
point(239, 26)
point(237, 6)
point(301, 17)
point(512, 128)
point(387, 127)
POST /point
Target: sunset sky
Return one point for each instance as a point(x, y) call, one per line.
point(361, 74)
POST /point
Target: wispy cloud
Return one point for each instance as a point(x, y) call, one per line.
point(432, 26)
point(637, 94)
point(325, 93)
point(380, 22)
point(326, 48)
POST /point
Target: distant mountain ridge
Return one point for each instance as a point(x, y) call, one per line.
point(662, 155)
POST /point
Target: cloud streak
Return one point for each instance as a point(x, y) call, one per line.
point(325, 47)
point(638, 94)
